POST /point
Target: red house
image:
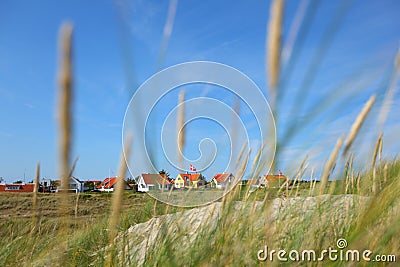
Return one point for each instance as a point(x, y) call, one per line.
point(21, 188)
point(274, 180)
point(108, 184)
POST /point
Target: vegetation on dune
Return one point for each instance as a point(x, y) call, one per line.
point(236, 228)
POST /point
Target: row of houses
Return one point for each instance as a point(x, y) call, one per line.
point(147, 182)
point(45, 185)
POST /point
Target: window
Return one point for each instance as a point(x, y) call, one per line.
point(13, 187)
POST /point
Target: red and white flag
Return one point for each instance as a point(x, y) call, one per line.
point(192, 168)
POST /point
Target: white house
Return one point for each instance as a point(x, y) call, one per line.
point(74, 185)
point(148, 182)
point(223, 180)
point(45, 182)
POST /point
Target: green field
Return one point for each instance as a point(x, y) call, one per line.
point(242, 224)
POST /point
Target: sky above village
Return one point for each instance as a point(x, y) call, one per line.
point(337, 53)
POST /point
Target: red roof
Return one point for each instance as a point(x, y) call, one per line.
point(108, 183)
point(155, 178)
point(17, 187)
point(221, 177)
point(191, 176)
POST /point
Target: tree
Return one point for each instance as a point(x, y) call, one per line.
point(165, 174)
point(130, 180)
point(90, 185)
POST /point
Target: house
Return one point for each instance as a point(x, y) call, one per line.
point(273, 180)
point(108, 185)
point(74, 185)
point(222, 180)
point(146, 182)
point(20, 188)
point(192, 180)
point(253, 182)
point(179, 182)
point(45, 182)
point(47, 185)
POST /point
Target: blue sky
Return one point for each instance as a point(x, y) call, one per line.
point(117, 47)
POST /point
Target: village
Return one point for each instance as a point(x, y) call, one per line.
point(146, 182)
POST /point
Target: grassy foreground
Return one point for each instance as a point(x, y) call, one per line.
point(28, 236)
point(232, 236)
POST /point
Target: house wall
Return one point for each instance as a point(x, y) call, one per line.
point(17, 188)
point(74, 185)
point(163, 187)
point(142, 187)
point(196, 184)
point(179, 182)
point(45, 182)
point(221, 186)
point(154, 185)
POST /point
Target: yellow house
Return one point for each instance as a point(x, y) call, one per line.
point(192, 180)
point(179, 182)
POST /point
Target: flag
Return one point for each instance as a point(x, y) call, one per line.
point(192, 168)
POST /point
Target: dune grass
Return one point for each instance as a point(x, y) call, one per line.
point(242, 226)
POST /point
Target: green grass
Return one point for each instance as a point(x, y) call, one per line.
point(364, 220)
point(233, 238)
point(19, 244)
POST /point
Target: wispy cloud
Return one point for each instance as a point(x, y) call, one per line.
point(29, 105)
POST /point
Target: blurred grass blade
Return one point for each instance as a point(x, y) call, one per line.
point(274, 45)
point(294, 31)
point(116, 202)
point(35, 200)
point(376, 151)
point(358, 123)
point(169, 24)
point(65, 123)
point(65, 102)
point(329, 165)
point(180, 126)
point(387, 102)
